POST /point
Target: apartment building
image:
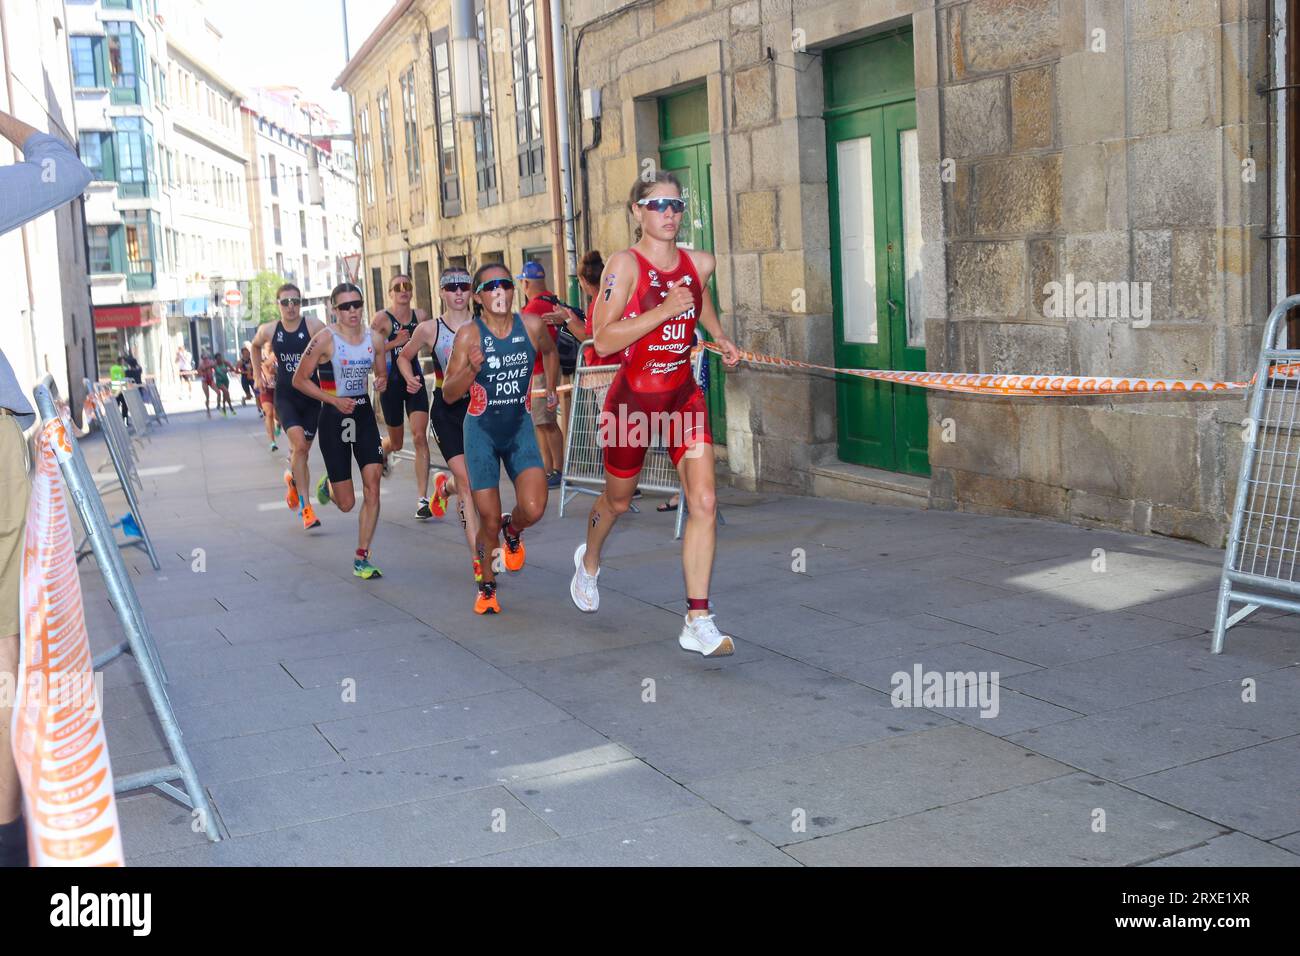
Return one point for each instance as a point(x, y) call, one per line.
point(117, 53)
point(436, 190)
point(301, 193)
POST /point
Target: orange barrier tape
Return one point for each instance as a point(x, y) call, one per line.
point(986, 384)
point(58, 731)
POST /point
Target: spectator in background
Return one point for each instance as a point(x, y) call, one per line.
point(550, 440)
point(245, 367)
point(185, 368)
point(134, 373)
point(206, 366)
point(49, 176)
point(589, 272)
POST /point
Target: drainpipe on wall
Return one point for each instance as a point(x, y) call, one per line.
point(561, 159)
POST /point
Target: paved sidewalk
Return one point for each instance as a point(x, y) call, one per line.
point(544, 736)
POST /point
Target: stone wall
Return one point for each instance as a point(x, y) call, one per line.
point(1108, 150)
point(416, 227)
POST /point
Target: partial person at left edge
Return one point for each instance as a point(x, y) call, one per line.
point(49, 176)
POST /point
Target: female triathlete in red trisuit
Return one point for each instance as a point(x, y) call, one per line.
point(651, 298)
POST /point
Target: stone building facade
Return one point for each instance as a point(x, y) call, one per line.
point(1081, 143)
point(436, 190)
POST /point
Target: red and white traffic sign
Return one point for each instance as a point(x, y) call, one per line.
point(234, 297)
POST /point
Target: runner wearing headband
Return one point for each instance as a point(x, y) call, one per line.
point(492, 360)
point(348, 428)
point(651, 299)
point(447, 419)
point(297, 412)
point(397, 324)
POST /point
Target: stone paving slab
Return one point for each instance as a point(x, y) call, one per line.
point(1172, 731)
point(414, 727)
point(1253, 790)
point(152, 823)
point(837, 791)
point(261, 680)
point(698, 838)
point(236, 758)
point(1235, 849)
point(420, 833)
point(1145, 673)
point(223, 657)
point(1196, 609)
point(1041, 824)
point(279, 800)
point(430, 654)
point(1081, 638)
point(622, 671)
point(611, 794)
point(834, 646)
point(688, 748)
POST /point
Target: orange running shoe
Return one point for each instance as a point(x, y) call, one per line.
point(438, 503)
point(514, 555)
point(486, 602)
point(291, 496)
point(309, 519)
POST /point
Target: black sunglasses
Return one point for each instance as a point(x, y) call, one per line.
point(457, 287)
point(348, 306)
point(290, 301)
point(491, 285)
point(663, 204)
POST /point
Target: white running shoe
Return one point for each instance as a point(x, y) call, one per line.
point(702, 636)
point(583, 587)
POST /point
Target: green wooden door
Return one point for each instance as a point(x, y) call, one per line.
point(876, 250)
point(684, 152)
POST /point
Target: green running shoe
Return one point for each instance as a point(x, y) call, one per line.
point(323, 490)
point(362, 568)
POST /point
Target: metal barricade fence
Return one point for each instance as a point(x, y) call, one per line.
point(1264, 542)
point(154, 398)
point(139, 641)
point(138, 420)
point(584, 459)
point(110, 418)
point(135, 406)
point(128, 479)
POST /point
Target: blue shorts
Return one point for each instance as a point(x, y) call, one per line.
point(489, 444)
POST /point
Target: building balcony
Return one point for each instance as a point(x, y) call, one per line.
point(101, 204)
point(82, 20)
point(107, 288)
point(91, 108)
point(391, 219)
